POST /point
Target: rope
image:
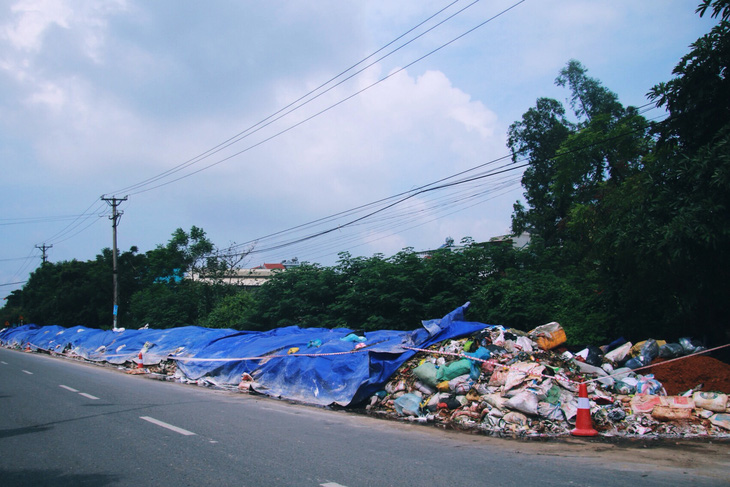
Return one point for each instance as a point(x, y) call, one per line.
point(239, 359)
point(493, 362)
point(229, 359)
point(434, 352)
point(564, 379)
point(665, 362)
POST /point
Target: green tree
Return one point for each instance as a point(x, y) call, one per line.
point(301, 296)
point(384, 293)
point(153, 287)
point(371, 292)
point(527, 288)
point(537, 137)
point(69, 293)
point(698, 96)
point(185, 253)
point(166, 296)
point(663, 235)
point(570, 161)
point(574, 167)
point(232, 311)
point(165, 305)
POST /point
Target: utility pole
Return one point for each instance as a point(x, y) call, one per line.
point(43, 248)
point(116, 216)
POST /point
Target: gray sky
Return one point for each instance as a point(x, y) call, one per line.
point(195, 111)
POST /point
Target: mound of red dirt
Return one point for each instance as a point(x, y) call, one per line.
point(681, 375)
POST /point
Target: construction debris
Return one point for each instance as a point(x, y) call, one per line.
point(505, 382)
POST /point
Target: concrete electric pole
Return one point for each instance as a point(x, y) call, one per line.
point(116, 216)
point(43, 248)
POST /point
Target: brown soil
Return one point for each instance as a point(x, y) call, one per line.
point(684, 374)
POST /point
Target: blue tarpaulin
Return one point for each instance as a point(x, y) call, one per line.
point(326, 369)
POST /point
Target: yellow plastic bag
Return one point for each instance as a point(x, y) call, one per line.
point(548, 336)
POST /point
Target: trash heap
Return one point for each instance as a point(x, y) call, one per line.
point(505, 382)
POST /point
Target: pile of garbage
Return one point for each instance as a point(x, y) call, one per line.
point(450, 372)
point(506, 382)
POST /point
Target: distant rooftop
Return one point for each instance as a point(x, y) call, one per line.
point(271, 266)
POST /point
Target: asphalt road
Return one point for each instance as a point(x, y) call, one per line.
point(64, 423)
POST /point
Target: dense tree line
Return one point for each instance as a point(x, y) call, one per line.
point(152, 287)
point(629, 223)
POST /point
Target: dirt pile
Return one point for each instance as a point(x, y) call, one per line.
point(701, 371)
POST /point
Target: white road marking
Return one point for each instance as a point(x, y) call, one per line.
point(166, 425)
point(332, 484)
point(87, 395)
point(4, 363)
point(68, 388)
point(29, 373)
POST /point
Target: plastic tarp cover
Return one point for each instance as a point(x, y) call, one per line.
point(335, 372)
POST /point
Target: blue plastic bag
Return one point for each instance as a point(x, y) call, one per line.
point(476, 366)
point(408, 405)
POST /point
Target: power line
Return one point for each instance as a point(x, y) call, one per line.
point(407, 216)
point(389, 203)
point(398, 224)
point(77, 224)
point(74, 225)
point(38, 219)
point(13, 283)
point(80, 230)
point(78, 221)
point(146, 184)
point(273, 117)
point(293, 236)
point(366, 207)
point(11, 259)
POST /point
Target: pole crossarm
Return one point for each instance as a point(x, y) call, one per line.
point(43, 249)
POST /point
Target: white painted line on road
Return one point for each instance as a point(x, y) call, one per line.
point(166, 425)
point(29, 373)
point(4, 363)
point(332, 484)
point(89, 396)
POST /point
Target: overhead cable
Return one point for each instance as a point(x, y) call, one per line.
point(273, 117)
point(94, 212)
point(391, 202)
point(321, 112)
point(13, 283)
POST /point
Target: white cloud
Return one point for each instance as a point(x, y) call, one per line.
point(407, 130)
point(50, 95)
point(32, 18)
point(99, 95)
point(37, 30)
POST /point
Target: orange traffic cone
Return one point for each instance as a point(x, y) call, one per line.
point(583, 422)
point(27, 347)
point(139, 364)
